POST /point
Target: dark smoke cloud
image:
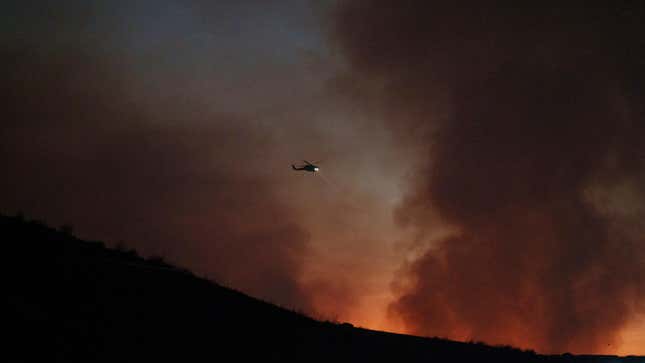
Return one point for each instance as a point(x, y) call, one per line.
point(76, 148)
point(524, 115)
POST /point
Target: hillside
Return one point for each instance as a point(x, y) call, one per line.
point(76, 301)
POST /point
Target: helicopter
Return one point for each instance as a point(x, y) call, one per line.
point(307, 167)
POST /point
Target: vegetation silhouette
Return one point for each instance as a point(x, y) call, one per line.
point(71, 300)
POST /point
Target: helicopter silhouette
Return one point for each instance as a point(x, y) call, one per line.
point(310, 167)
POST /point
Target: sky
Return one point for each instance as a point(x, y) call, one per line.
point(481, 166)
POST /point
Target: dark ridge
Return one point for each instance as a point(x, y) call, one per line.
point(77, 301)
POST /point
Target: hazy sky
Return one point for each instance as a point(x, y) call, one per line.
point(482, 167)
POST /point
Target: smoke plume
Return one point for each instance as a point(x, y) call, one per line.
point(529, 126)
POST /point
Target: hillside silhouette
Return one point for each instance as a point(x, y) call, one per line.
point(71, 300)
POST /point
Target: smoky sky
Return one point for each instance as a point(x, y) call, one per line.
point(478, 163)
point(170, 127)
point(527, 119)
point(144, 165)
